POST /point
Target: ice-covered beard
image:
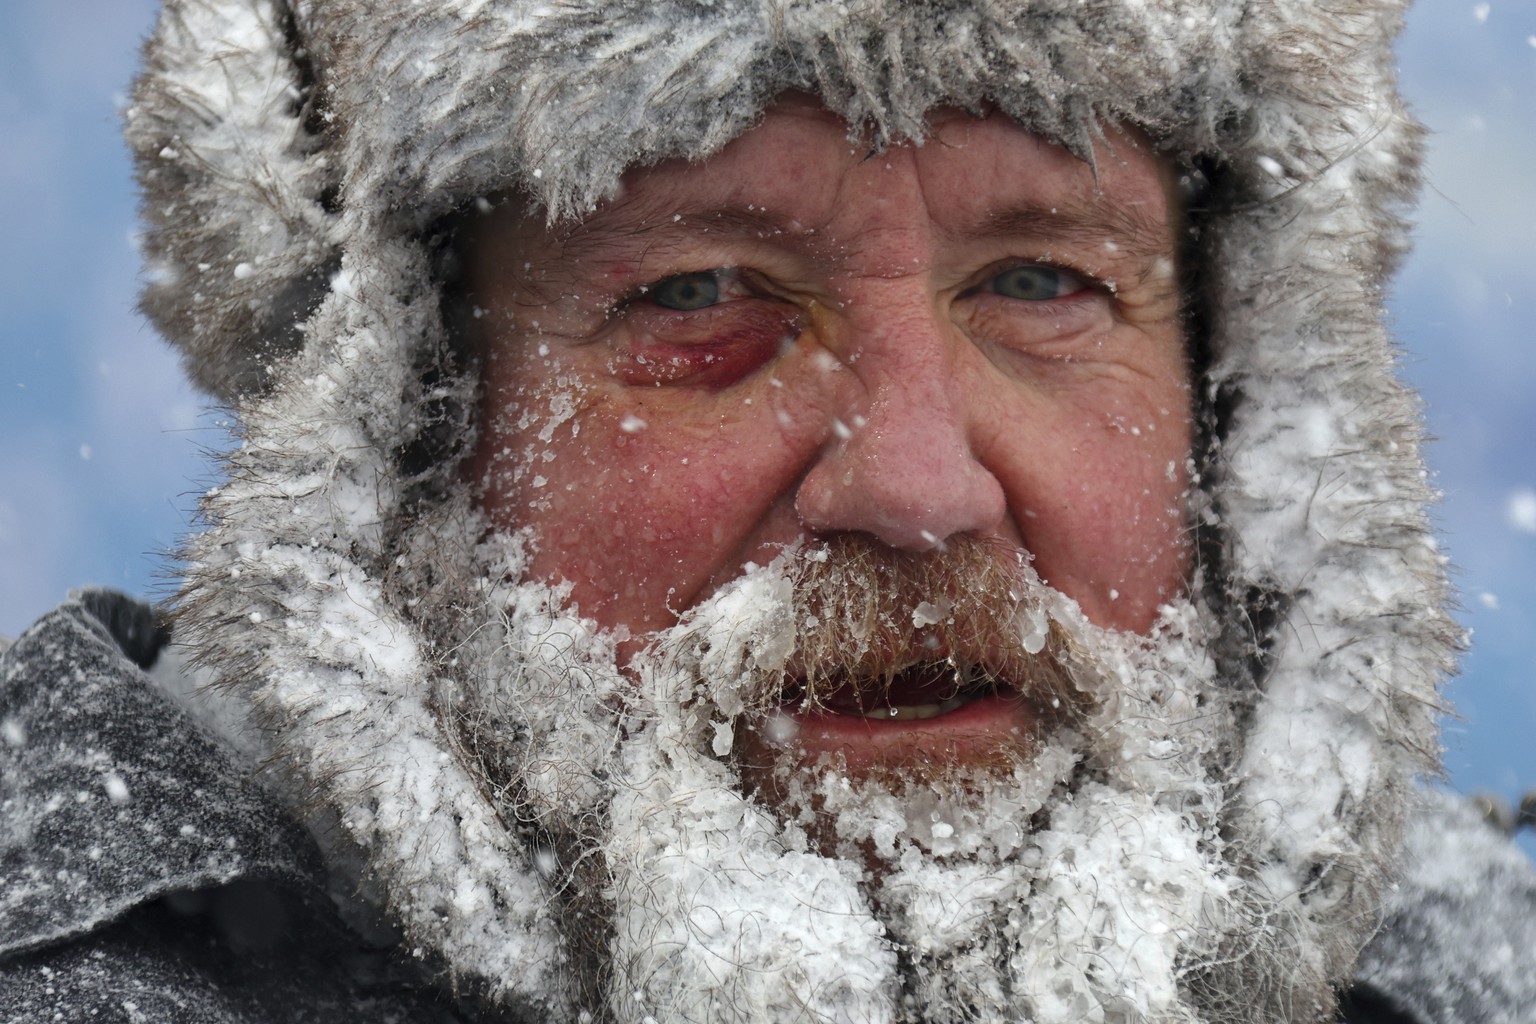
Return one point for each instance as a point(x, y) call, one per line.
point(1078, 875)
point(960, 639)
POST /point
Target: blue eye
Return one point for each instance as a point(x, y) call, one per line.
point(687, 291)
point(1034, 283)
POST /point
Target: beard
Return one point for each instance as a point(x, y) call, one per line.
point(705, 865)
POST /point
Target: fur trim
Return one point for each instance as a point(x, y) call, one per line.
point(293, 163)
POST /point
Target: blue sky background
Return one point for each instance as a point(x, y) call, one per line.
point(101, 444)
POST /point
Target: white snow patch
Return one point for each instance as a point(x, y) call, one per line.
point(927, 613)
point(1521, 510)
point(117, 789)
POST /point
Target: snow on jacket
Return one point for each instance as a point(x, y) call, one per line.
point(299, 159)
point(145, 874)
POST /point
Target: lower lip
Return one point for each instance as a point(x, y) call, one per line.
point(972, 732)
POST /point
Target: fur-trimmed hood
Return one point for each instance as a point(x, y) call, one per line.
point(296, 158)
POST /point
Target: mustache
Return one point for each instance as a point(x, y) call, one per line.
point(869, 618)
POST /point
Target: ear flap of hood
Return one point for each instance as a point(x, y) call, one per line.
point(296, 157)
point(239, 189)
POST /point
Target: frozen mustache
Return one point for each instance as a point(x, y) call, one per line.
point(848, 619)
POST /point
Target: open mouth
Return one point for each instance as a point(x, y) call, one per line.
point(919, 692)
point(927, 720)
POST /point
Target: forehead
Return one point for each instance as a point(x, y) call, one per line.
point(801, 172)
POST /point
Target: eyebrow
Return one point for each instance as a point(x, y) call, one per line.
point(1130, 227)
point(659, 224)
point(1081, 223)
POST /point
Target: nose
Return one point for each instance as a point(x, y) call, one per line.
point(902, 467)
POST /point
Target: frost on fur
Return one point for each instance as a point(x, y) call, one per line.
point(294, 167)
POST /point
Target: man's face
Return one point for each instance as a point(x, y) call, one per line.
point(800, 340)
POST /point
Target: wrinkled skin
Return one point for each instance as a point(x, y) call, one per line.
point(904, 372)
point(799, 338)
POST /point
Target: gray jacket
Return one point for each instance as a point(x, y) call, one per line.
point(145, 876)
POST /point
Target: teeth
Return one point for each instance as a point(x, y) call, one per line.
point(916, 712)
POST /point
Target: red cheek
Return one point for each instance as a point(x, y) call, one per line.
point(712, 349)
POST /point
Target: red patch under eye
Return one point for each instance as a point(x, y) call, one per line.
point(711, 348)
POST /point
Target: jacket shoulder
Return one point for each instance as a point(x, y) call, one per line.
point(233, 955)
point(110, 796)
point(1458, 941)
point(144, 874)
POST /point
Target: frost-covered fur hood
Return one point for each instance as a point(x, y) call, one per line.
point(296, 158)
